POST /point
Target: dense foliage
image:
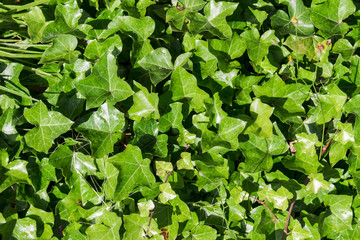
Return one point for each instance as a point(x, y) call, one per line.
point(182, 119)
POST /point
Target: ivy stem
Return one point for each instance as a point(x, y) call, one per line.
point(157, 200)
point(287, 221)
point(267, 207)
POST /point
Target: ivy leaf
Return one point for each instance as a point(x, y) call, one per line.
point(177, 15)
point(202, 232)
point(62, 49)
point(330, 22)
point(104, 84)
point(103, 128)
point(35, 20)
point(338, 217)
point(107, 226)
point(317, 183)
point(158, 63)
point(137, 29)
point(280, 198)
point(258, 47)
point(184, 86)
point(133, 171)
point(136, 227)
point(262, 124)
point(258, 152)
point(72, 162)
point(67, 15)
point(332, 104)
point(305, 159)
point(49, 125)
point(296, 23)
point(298, 232)
point(342, 142)
point(145, 104)
point(214, 20)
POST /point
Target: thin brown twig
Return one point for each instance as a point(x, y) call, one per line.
point(264, 204)
point(157, 200)
point(287, 221)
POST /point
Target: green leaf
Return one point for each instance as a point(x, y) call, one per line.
point(184, 86)
point(338, 216)
point(202, 232)
point(166, 193)
point(305, 159)
point(177, 15)
point(137, 29)
point(133, 171)
point(70, 161)
point(342, 142)
point(258, 47)
point(262, 125)
point(317, 183)
point(344, 47)
point(214, 20)
point(145, 104)
point(96, 49)
point(297, 22)
point(25, 228)
point(35, 20)
point(280, 198)
point(107, 226)
point(158, 63)
point(330, 22)
point(258, 152)
point(298, 232)
point(104, 84)
point(136, 227)
point(67, 15)
point(49, 125)
point(62, 49)
point(103, 128)
point(331, 103)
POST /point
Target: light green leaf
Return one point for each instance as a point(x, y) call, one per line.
point(185, 162)
point(262, 125)
point(145, 104)
point(184, 86)
point(49, 125)
point(297, 22)
point(317, 183)
point(338, 217)
point(25, 228)
point(104, 84)
point(214, 20)
point(342, 142)
point(166, 193)
point(133, 171)
point(136, 227)
point(280, 198)
point(328, 16)
point(258, 152)
point(35, 20)
point(137, 29)
point(178, 15)
point(70, 162)
point(258, 47)
point(163, 168)
point(62, 50)
point(158, 63)
point(103, 128)
point(202, 232)
point(306, 158)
